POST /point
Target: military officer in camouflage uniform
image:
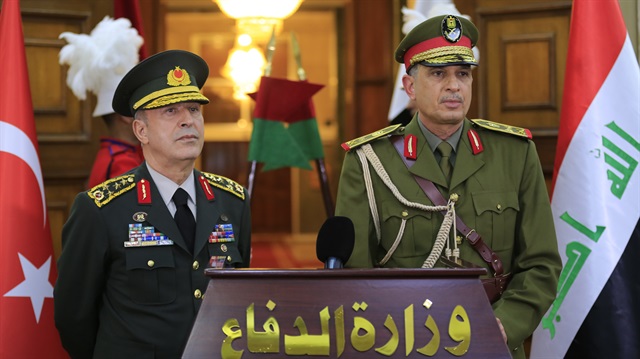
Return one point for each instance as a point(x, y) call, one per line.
point(490, 175)
point(131, 279)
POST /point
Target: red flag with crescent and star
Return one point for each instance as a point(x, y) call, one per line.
point(27, 263)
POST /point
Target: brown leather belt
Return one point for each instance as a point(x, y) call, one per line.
point(493, 286)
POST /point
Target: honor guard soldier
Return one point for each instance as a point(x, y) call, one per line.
point(134, 249)
point(405, 187)
point(97, 62)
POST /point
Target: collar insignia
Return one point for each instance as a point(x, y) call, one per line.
point(144, 192)
point(206, 188)
point(474, 140)
point(410, 144)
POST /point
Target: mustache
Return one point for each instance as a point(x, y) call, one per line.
point(455, 97)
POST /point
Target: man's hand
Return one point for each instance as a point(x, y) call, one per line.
point(504, 335)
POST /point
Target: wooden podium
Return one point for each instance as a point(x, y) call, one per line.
point(345, 313)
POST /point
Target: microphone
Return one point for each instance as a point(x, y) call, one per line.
point(335, 242)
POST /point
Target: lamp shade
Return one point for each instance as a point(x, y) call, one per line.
point(271, 9)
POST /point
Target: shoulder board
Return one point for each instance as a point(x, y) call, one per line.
point(106, 191)
point(225, 184)
point(500, 127)
point(349, 145)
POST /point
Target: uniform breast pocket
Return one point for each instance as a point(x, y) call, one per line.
point(417, 232)
point(227, 251)
point(496, 217)
point(151, 275)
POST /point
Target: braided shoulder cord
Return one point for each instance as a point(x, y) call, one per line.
point(395, 244)
point(384, 176)
point(370, 194)
point(445, 228)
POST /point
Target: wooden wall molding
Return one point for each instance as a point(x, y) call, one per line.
point(59, 115)
point(485, 14)
point(518, 50)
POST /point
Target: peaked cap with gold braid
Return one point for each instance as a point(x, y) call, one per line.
point(439, 41)
point(165, 78)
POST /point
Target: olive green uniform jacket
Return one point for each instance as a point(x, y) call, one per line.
point(502, 194)
point(113, 301)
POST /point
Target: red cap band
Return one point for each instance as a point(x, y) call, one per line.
point(432, 44)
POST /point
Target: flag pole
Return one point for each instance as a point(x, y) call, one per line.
point(320, 166)
point(253, 165)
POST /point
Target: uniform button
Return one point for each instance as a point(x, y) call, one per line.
point(499, 207)
point(151, 263)
point(196, 265)
point(454, 197)
point(197, 294)
point(405, 213)
point(459, 240)
point(229, 259)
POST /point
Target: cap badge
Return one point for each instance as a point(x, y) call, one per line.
point(178, 77)
point(451, 28)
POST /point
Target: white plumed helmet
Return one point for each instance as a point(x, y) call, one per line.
point(98, 61)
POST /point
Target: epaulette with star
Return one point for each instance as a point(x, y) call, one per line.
point(500, 127)
point(349, 145)
point(106, 191)
point(225, 184)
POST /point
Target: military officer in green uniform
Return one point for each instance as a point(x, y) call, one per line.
point(131, 277)
point(488, 174)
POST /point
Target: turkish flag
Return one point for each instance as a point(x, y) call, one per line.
point(27, 264)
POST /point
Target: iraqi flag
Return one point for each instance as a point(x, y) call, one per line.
point(27, 263)
point(596, 197)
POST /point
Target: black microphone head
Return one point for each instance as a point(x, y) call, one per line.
point(335, 239)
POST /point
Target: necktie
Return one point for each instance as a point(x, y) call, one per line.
point(184, 218)
point(445, 150)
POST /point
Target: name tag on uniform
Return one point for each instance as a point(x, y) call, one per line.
point(146, 236)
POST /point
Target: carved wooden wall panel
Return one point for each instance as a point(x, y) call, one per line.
point(67, 133)
point(535, 87)
point(374, 66)
point(521, 75)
